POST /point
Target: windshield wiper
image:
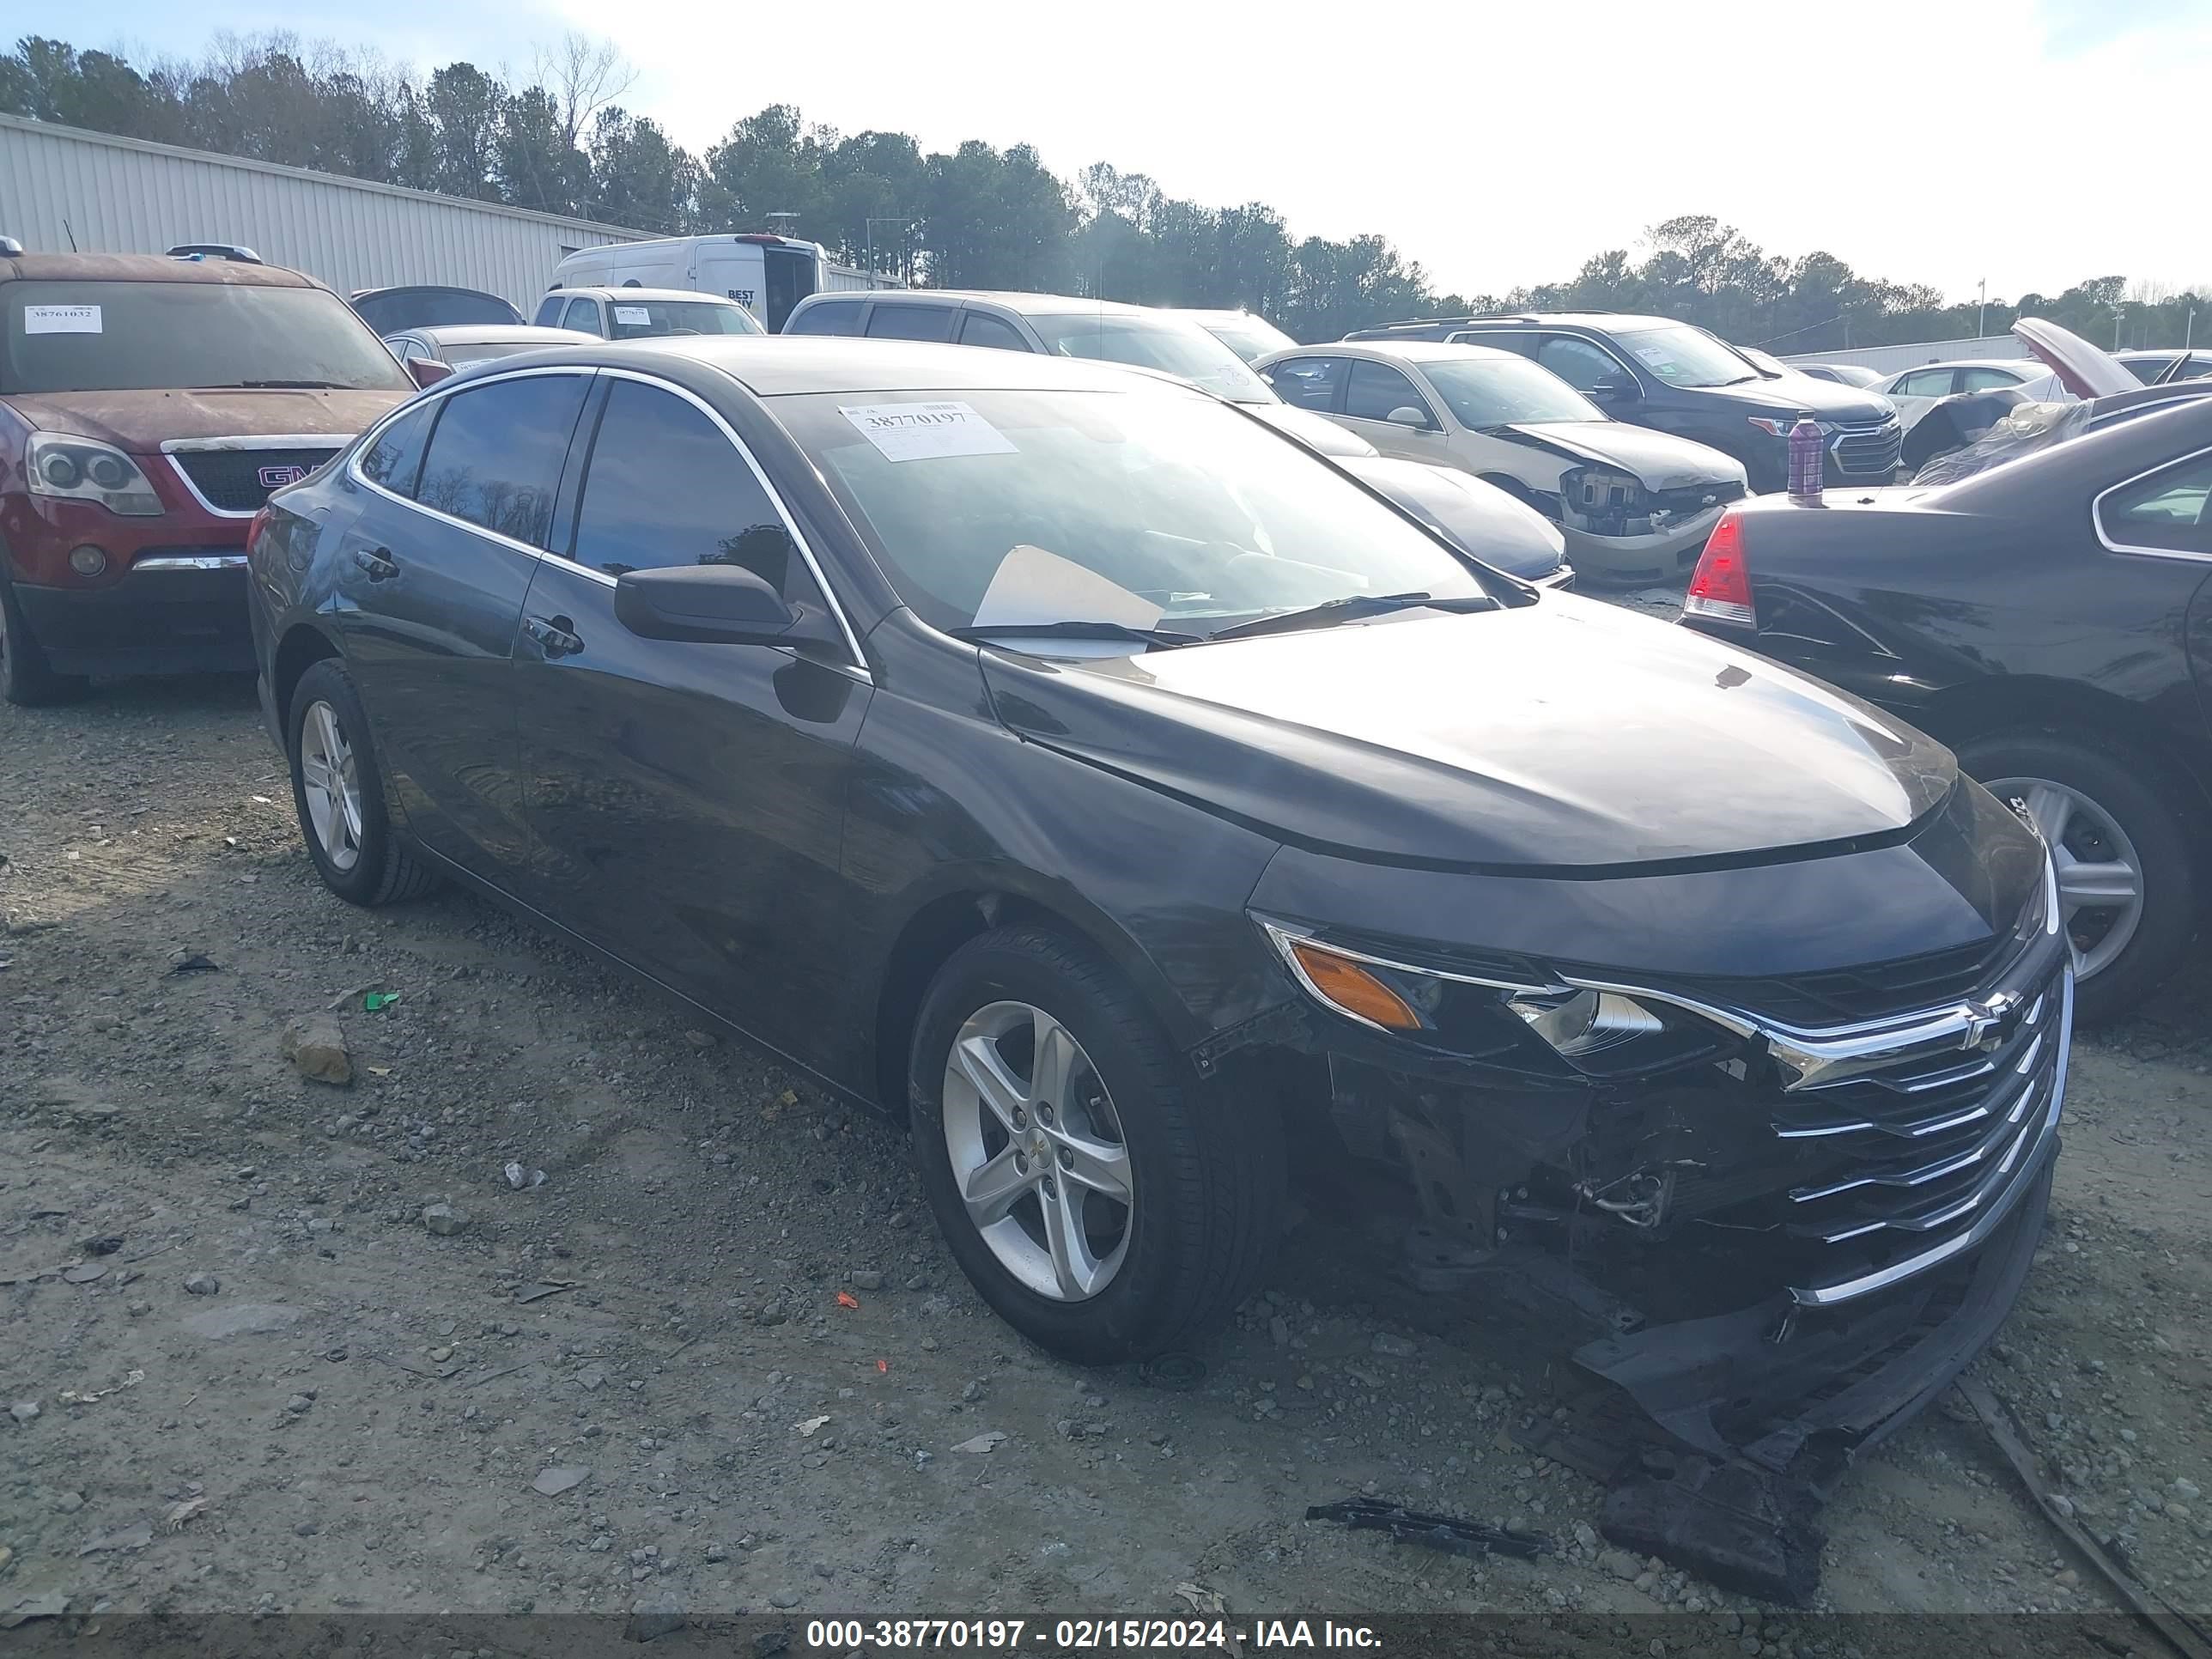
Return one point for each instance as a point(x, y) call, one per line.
point(1350, 608)
point(1076, 630)
point(273, 385)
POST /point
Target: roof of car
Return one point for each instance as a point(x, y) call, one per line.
point(1410, 351)
point(781, 365)
point(652, 294)
point(1615, 319)
point(2028, 365)
point(146, 268)
point(1029, 304)
point(1217, 314)
point(423, 287)
point(493, 333)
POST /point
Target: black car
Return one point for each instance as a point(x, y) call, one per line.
point(2049, 618)
point(1479, 519)
point(1675, 378)
point(430, 305)
point(1134, 828)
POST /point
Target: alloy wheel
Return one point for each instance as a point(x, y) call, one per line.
point(1037, 1153)
point(2100, 882)
point(330, 786)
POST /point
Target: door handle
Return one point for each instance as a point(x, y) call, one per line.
point(376, 561)
point(556, 634)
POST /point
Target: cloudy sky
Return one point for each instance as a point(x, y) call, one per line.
point(1939, 141)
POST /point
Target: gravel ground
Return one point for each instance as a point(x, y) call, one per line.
point(246, 1375)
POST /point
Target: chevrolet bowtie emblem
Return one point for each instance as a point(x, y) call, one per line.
point(1986, 1022)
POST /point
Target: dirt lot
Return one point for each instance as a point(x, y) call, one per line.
point(356, 1417)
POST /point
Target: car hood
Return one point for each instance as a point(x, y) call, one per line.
point(1560, 735)
point(1315, 431)
point(1660, 460)
point(143, 420)
point(1847, 405)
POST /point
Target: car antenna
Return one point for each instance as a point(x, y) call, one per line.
point(71, 234)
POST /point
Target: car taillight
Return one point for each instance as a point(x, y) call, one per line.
point(254, 531)
point(1720, 588)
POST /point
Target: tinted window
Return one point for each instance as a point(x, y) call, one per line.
point(549, 312)
point(496, 454)
point(1578, 362)
point(397, 455)
point(980, 328)
point(1927, 383)
point(1376, 389)
point(1308, 382)
point(431, 307)
point(911, 323)
point(143, 336)
point(635, 517)
point(583, 314)
point(830, 316)
point(2165, 510)
point(1515, 340)
point(1981, 379)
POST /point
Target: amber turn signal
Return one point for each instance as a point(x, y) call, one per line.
point(1345, 984)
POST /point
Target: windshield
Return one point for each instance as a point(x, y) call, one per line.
point(1090, 506)
point(151, 336)
point(639, 319)
point(432, 307)
point(1183, 349)
point(1503, 391)
point(1250, 338)
point(1684, 356)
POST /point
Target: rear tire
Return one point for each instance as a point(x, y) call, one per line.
point(26, 679)
point(1202, 1168)
point(338, 793)
point(2112, 818)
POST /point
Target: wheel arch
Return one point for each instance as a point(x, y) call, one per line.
point(947, 921)
point(303, 645)
point(1983, 708)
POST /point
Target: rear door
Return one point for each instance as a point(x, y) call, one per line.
point(688, 798)
point(458, 498)
point(788, 277)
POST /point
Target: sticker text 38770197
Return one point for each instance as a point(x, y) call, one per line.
point(916, 432)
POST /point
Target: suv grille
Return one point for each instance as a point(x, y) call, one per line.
point(1869, 448)
point(1922, 1151)
point(240, 480)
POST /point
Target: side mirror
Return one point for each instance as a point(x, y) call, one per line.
point(715, 604)
point(1610, 390)
point(1406, 415)
point(428, 371)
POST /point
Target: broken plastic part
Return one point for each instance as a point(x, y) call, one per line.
point(1439, 1532)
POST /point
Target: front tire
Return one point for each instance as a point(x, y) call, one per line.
point(2127, 883)
point(338, 793)
point(1106, 1204)
point(26, 679)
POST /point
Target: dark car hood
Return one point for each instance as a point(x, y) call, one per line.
point(1846, 405)
point(142, 421)
point(1563, 734)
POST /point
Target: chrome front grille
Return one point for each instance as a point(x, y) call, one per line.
point(1869, 447)
point(1916, 1155)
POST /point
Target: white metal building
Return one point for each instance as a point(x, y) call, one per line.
point(62, 186)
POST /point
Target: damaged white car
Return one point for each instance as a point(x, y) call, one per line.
point(1632, 503)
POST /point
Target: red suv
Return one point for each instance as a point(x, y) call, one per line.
point(148, 406)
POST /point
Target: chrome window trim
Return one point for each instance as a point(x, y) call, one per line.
point(858, 667)
point(172, 448)
point(2097, 513)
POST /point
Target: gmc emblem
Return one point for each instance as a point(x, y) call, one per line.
point(275, 478)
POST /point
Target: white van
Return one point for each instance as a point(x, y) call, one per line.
point(766, 275)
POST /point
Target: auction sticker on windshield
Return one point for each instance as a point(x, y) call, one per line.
point(61, 320)
point(916, 432)
point(633, 317)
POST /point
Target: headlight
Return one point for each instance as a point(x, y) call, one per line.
point(77, 469)
point(1779, 428)
point(1477, 1016)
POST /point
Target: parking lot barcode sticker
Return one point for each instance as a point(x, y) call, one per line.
point(916, 432)
point(61, 320)
point(633, 316)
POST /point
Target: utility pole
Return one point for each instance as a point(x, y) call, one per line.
point(1982, 325)
point(2189, 329)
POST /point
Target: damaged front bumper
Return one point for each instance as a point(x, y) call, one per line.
point(1656, 553)
point(1778, 1258)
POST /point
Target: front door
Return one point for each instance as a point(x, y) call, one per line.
point(1382, 405)
point(431, 580)
point(687, 800)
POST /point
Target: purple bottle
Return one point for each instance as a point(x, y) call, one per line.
point(1806, 456)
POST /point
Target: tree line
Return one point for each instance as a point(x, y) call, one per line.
point(974, 216)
